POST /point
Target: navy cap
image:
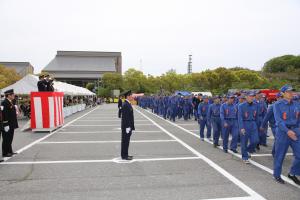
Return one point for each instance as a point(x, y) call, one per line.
point(251, 93)
point(286, 88)
point(279, 94)
point(230, 96)
point(126, 93)
point(242, 96)
point(8, 92)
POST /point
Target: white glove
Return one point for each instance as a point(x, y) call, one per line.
point(128, 130)
point(6, 128)
point(243, 131)
point(1, 107)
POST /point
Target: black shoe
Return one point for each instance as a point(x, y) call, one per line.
point(225, 150)
point(216, 145)
point(234, 151)
point(265, 145)
point(294, 178)
point(1, 160)
point(279, 180)
point(128, 158)
point(131, 157)
point(8, 155)
point(14, 153)
point(258, 147)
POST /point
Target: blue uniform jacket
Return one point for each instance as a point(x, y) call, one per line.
point(286, 115)
point(247, 112)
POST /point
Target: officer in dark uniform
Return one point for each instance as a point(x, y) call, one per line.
point(1, 127)
point(120, 106)
point(41, 84)
point(49, 83)
point(127, 125)
point(10, 123)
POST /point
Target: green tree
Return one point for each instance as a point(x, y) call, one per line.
point(286, 63)
point(135, 80)
point(113, 81)
point(90, 86)
point(8, 76)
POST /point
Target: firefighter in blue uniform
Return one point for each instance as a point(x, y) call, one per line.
point(287, 117)
point(202, 113)
point(228, 114)
point(248, 129)
point(262, 111)
point(269, 117)
point(214, 118)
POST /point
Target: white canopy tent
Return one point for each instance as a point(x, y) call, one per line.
point(29, 84)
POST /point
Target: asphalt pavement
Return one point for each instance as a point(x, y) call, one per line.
point(82, 161)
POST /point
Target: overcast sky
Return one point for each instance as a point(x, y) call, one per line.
point(153, 35)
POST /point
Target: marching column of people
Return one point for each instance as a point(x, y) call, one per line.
point(245, 118)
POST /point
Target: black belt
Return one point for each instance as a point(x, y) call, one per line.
point(291, 126)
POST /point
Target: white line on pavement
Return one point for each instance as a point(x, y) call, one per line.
point(233, 179)
point(270, 171)
point(233, 198)
point(109, 141)
point(107, 120)
point(45, 137)
point(268, 154)
point(107, 125)
point(96, 161)
point(119, 131)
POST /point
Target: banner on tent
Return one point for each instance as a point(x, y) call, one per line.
point(46, 110)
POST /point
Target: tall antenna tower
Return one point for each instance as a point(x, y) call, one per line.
point(189, 69)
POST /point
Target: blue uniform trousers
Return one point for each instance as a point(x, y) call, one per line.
point(282, 144)
point(232, 129)
point(250, 139)
point(204, 122)
point(217, 129)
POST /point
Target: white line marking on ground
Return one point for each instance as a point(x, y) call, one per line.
point(107, 120)
point(107, 125)
point(109, 141)
point(232, 198)
point(268, 154)
point(233, 179)
point(270, 171)
point(86, 132)
point(96, 161)
point(45, 137)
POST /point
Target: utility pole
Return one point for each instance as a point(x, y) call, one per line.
point(189, 69)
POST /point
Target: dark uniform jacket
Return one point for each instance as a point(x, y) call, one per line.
point(9, 114)
point(41, 86)
point(120, 103)
point(127, 116)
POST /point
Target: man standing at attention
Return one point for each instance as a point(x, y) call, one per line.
point(127, 125)
point(120, 106)
point(10, 123)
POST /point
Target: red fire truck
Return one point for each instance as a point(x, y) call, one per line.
point(270, 94)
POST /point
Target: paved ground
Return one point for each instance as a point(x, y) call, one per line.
point(81, 161)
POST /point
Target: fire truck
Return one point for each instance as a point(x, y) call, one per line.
point(270, 94)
